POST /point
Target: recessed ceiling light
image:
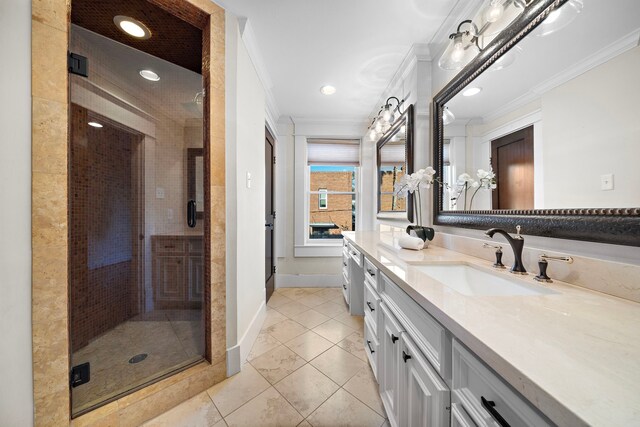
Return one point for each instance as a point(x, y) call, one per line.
point(133, 27)
point(95, 124)
point(327, 90)
point(472, 91)
point(149, 75)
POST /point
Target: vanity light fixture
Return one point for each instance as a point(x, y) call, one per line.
point(472, 91)
point(385, 118)
point(132, 27)
point(447, 116)
point(327, 90)
point(95, 124)
point(463, 47)
point(559, 18)
point(149, 75)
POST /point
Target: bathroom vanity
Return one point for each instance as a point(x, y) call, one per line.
point(453, 341)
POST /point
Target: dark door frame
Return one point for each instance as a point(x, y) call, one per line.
point(525, 134)
point(270, 218)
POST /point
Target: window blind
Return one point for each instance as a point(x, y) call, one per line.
point(333, 152)
point(392, 155)
point(446, 152)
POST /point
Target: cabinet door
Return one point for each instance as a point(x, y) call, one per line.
point(196, 278)
point(389, 364)
point(424, 396)
point(170, 278)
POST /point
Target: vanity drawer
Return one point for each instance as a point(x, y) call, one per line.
point(372, 307)
point(169, 245)
point(459, 417)
point(473, 381)
point(371, 345)
point(356, 255)
point(432, 339)
point(371, 273)
point(345, 287)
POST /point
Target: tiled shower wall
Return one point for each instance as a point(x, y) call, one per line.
point(103, 290)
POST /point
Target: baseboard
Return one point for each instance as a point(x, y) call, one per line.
point(308, 280)
point(237, 354)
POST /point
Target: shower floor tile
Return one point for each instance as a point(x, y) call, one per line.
point(170, 338)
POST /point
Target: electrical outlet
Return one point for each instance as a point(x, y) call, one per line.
point(159, 193)
point(606, 182)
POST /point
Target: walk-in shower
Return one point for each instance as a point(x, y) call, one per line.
point(136, 195)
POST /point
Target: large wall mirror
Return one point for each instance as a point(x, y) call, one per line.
point(394, 154)
point(542, 128)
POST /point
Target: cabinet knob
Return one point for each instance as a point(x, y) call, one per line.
point(371, 272)
point(394, 339)
point(405, 356)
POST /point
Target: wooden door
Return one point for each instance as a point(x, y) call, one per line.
point(423, 393)
point(269, 214)
point(512, 161)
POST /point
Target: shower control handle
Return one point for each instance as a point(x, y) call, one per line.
point(191, 213)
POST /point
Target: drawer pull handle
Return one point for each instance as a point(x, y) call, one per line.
point(353, 253)
point(369, 345)
point(344, 286)
point(370, 307)
point(169, 246)
point(371, 272)
point(489, 405)
point(394, 339)
point(344, 263)
point(405, 356)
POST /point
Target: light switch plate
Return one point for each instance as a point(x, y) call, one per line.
point(606, 182)
point(159, 193)
point(248, 179)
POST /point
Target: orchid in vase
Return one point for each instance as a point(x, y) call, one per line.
point(466, 184)
point(411, 184)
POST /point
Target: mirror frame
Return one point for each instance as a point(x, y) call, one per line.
point(408, 155)
point(620, 226)
point(192, 153)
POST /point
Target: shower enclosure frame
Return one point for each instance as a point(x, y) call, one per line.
point(50, 213)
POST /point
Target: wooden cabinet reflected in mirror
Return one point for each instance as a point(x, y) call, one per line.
point(394, 157)
point(554, 117)
point(195, 179)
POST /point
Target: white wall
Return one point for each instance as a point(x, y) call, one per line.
point(16, 390)
point(245, 134)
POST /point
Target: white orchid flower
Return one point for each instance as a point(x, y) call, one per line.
point(465, 177)
point(430, 171)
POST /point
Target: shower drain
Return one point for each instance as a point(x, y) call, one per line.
point(138, 358)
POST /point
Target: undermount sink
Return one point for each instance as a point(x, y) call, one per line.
point(472, 281)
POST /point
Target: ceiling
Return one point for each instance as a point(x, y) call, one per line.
point(172, 39)
point(354, 45)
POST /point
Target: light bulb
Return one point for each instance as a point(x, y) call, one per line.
point(387, 114)
point(494, 11)
point(403, 129)
point(457, 53)
point(373, 135)
point(378, 126)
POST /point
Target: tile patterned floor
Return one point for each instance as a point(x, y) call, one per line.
point(307, 368)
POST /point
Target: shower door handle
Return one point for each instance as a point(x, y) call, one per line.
point(191, 213)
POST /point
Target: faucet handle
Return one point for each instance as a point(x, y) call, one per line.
point(518, 236)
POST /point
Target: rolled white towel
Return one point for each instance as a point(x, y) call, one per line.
point(410, 242)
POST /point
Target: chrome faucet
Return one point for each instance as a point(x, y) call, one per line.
point(517, 244)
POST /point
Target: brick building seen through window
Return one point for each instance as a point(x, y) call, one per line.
point(332, 201)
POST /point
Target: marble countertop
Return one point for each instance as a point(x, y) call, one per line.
point(574, 354)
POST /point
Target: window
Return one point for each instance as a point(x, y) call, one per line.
point(332, 170)
point(322, 198)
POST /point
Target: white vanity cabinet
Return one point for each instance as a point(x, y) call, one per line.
point(389, 365)
point(353, 278)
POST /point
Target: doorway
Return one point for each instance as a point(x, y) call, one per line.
point(269, 214)
point(512, 161)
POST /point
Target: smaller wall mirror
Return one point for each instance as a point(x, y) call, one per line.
point(394, 156)
point(195, 179)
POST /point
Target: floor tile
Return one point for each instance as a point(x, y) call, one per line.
point(237, 390)
point(354, 344)
point(329, 308)
point(273, 317)
point(198, 411)
point(277, 364)
point(363, 386)
point(312, 300)
point(306, 389)
point(263, 343)
point(294, 293)
point(330, 293)
point(267, 409)
point(305, 423)
point(277, 300)
point(342, 409)
point(292, 308)
point(310, 318)
point(337, 364)
point(309, 345)
point(354, 322)
point(285, 331)
point(333, 330)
